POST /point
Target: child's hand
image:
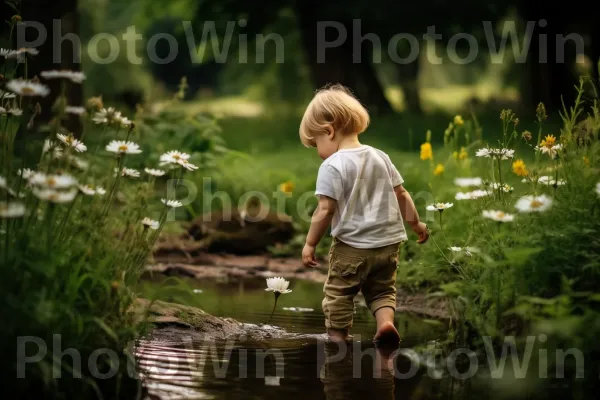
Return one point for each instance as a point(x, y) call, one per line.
point(308, 256)
point(421, 230)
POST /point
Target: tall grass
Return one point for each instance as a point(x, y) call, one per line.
point(78, 220)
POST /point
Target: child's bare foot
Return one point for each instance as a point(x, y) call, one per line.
point(338, 335)
point(387, 332)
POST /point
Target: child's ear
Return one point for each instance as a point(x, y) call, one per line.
point(330, 131)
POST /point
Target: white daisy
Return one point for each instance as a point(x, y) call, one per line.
point(278, 285)
point(18, 52)
point(475, 194)
point(552, 151)
point(52, 181)
point(100, 190)
point(550, 181)
point(27, 88)
point(74, 76)
point(55, 196)
point(107, 116)
point(123, 121)
point(499, 216)
point(69, 140)
point(17, 112)
point(11, 209)
point(466, 182)
point(154, 172)
point(439, 206)
point(534, 203)
point(51, 145)
point(133, 173)
point(26, 173)
point(503, 154)
point(2, 110)
point(123, 147)
point(171, 203)
point(88, 190)
point(505, 187)
point(455, 249)
point(150, 223)
point(187, 165)
point(76, 110)
point(172, 157)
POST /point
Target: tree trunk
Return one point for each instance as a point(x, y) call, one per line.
point(408, 75)
point(65, 55)
point(338, 65)
point(550, 67)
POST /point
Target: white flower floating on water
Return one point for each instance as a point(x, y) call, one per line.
point(55, 196)
point(171, 203)
point(503, 154)
point(154, 172)
point(123, 147)
point(69, 140)
point(11, 209)
point(150, 223)
point(278, 286)
point(499, 216)
point(466, 182)
point(550, 181)
point(534, 203)
point(439, 207)
point(298, 309)
point(475, 194)
point(27, 88)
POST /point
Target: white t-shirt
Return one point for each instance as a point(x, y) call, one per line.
point(368, 215)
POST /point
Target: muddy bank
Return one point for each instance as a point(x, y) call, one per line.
point(232, 267)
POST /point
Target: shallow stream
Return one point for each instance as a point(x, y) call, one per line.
point(300, 368)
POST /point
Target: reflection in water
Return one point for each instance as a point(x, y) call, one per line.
point(308, 369)
point(180, 367)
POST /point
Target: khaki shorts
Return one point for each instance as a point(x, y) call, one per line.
point(372, 271)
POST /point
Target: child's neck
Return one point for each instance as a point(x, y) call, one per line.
point(349, 142)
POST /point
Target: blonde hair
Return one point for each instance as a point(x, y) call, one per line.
point(336, 106)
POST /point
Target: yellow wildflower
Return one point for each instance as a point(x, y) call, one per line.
point(586, 161)
point(426, 151)
point(548, 142)
point(519, 168)
point(458, 120)
point(439, 169)
point(286, 187)
point(463, 154)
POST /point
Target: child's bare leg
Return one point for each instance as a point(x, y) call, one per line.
point(337, 334)
point(385, 325)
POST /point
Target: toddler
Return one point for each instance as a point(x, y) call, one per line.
point(361, 195)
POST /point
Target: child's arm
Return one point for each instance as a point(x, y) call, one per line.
point(320, 222)
point(410, 214)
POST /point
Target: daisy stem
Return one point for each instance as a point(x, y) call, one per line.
point(274, 305)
